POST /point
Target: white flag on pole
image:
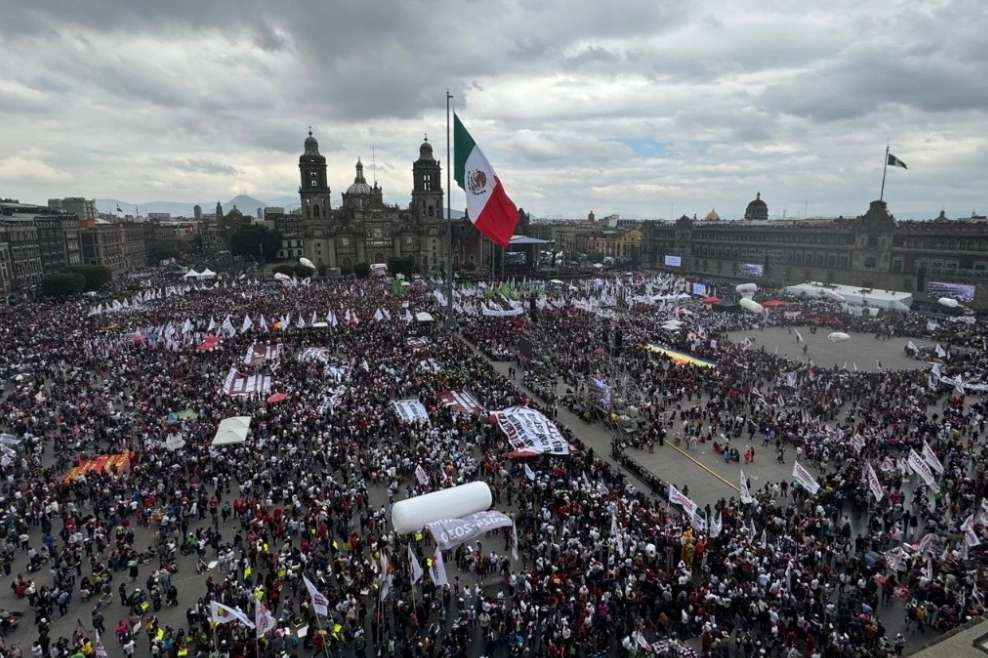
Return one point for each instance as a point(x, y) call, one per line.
point(222, 614)
point(804, 478)
point(930, 458)
point(874, 484)
point(616, 533)
point(319, 602)
point(247, 325)
point(715, 526)
point(529, 473)
point(438, 570)
point(263, 619)
point(745, 494)
point(421, 475)
point(922, 469)
point(414, 568)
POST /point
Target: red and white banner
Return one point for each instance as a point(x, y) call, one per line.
point(462, 402)
point(804, 478)
point(238, 385)
point(530, 432)
point(259, 354)
point(922, 469)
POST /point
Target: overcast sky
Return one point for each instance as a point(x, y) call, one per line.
point(646, 109)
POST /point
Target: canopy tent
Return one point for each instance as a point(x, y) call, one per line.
point(232, 431)
point(892, 300)
point(523, 240)
point(191, 274)
point(210, 343)
point(207, 274)
point(773, 303)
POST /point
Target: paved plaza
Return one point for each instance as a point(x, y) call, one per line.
point(863, 350)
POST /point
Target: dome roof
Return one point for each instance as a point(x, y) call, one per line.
point(311, 145)
point(359, 185)
point(425, 151)
point(757, 209)
point(712, 216)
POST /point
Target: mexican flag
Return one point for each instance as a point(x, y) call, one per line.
point(491, 211)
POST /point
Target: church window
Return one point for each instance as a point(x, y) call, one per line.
point(427, 183)
point(315, 211)
point(431, 211)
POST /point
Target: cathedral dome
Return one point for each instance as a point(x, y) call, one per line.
point(712, 216)
point(359, 186)
point(757, 209)
point(311, 145)
point(425, 151)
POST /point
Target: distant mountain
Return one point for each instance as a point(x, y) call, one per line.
point(245, 204)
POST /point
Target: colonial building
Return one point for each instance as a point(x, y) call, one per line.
point(364, 229)
point(873, 250)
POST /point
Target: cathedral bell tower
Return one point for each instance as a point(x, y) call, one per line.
point(314, 188)
point(427, 193)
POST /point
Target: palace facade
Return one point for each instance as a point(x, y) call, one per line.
point(928, 258)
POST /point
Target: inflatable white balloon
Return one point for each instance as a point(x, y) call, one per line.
point(949, 302)
point(838, 337)
point(746, 288)
point(413, 514)
point(833, 294)
point(278, 276)
point(307, 263)
point(751, 305)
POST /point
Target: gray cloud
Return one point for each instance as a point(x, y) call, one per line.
point(124, 99)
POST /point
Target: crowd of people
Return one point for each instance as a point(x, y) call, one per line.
point(120, 513)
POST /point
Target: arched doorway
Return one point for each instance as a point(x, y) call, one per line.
point(378, 257)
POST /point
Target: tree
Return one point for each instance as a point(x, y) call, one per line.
point(95, 276)
point(362, 270)
point(255, 240)
point(63, 284)
point(401, 265)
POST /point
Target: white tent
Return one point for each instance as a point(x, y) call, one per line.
point(207, 274)
point(232, 430)
point(191, 274)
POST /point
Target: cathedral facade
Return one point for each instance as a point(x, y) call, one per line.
point(364, 229)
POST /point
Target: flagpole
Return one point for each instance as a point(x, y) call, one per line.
point(449, 225)
point(885, 168)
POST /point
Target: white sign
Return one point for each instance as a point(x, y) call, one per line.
point(530, 431)
point(450, 533)
point(805, 478)
point(411, 411)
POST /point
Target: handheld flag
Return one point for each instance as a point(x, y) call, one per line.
point(896, 162)
point(319, 602)
point(413, 566)
point(263, 619)
point(490, 209)
point(438, 570)
point(221, 614)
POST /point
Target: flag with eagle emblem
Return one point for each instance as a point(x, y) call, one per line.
point(490, 209)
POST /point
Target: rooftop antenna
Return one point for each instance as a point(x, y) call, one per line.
point(373, 165)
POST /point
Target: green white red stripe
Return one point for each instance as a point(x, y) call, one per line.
point(490, 209)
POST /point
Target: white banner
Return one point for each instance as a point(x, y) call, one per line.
point(804, 478)
point(874, 484)
point(922, 469)
point(529, 431)
point(411, 411)
point(450, 533)
point(421, 476)
point(319, 602)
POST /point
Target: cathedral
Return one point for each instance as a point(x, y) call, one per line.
point(364, 229)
